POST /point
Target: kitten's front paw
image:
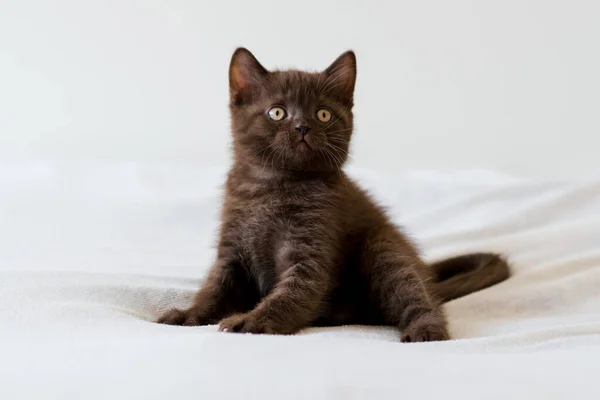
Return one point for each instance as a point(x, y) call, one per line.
point(425, 330)
point(246, 323)
point(179, 317)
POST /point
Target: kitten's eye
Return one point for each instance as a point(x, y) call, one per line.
point(324, 115)
point(277, 113)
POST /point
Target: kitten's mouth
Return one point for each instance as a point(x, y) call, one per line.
point(303, 145)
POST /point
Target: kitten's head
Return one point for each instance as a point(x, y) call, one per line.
point(291, 120)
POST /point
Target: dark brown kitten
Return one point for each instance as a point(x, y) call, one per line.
point(300, 243)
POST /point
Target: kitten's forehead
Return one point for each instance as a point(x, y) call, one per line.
point(293, 83)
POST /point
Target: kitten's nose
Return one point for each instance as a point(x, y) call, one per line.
point(303, 129)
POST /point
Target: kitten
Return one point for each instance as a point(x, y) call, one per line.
point(300, 244)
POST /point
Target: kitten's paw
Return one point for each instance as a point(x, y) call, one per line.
point(246, 323)
point(425, 331)
point(172, 317)
point(179, 317)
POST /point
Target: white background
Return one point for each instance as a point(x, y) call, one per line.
point(510, 85)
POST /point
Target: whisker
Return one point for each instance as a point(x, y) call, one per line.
point(266, 161)
point(318, 85)
point(336, 159)
point(275, 154)
point(328, 80)
point(330, 88)
point(340, 116)
point(338, 131)
point(337, 156)
point(336, 147)
point(333, 78)
point(321, 151)
point(258, 152)
point(283, 154)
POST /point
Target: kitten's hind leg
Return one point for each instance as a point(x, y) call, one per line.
point(400, 282)
point(226, 291)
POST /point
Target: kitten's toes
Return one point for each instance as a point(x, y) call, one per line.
point(178, 317)
point(244, 323)
point(425, 331)
point(172, 317)
point(241, 323)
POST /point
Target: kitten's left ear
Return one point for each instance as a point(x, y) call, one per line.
point(342, 74)
point(245, 75)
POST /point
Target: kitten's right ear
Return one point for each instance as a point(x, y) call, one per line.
point(341, 77)
point(245, 73)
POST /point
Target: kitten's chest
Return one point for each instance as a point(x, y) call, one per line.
point(263, 228)
point(265, 222)
point(270, 219)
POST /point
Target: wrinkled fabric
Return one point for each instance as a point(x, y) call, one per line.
point(92, 253)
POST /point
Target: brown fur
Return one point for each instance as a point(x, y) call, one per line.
point(300, 243)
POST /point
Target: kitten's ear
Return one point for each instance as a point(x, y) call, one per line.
point(341, 77)
point(245, 72)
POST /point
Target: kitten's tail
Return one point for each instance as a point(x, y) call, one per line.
point(464, 274)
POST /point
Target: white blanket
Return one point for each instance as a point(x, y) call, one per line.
point(90, 254)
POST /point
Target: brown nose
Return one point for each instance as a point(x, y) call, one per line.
point(303, 129)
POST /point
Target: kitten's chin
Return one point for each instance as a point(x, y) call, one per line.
point(303, 155)
point(303, 147)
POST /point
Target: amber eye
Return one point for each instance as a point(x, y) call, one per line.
point(277, 113)
point(324, 115)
